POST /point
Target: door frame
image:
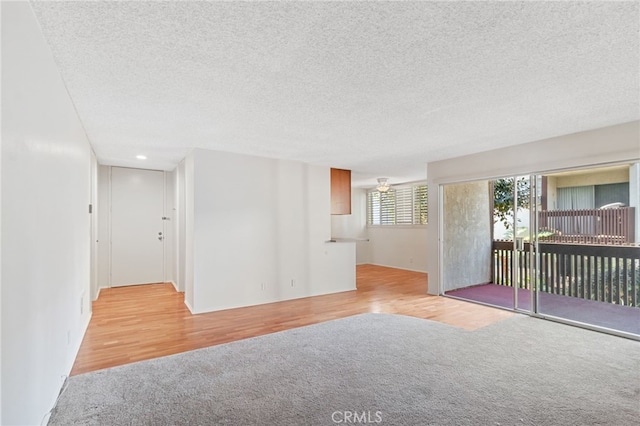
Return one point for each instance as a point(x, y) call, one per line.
point(532, 251)
point(110, 218)
point(94, 287)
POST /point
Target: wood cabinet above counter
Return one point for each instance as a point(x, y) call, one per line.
point(340, 191)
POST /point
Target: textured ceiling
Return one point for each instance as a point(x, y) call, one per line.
point(379, 88)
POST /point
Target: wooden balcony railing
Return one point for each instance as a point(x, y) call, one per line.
point(593, 226)
point(593, 272)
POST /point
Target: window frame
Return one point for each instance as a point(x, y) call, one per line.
point(411, 188)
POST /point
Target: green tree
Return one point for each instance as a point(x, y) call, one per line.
point(503, 198)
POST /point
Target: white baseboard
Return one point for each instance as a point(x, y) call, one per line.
point(85, 327)
point(75, 350)
point(188, 305)
point(268, 301)
point(397, 267)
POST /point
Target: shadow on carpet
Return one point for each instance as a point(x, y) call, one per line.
point(376, 369)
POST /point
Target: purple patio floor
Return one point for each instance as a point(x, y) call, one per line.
point(622, 318)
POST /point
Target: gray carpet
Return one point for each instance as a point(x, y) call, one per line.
point(387, 369)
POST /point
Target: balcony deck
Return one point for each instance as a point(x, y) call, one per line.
point(602, 314)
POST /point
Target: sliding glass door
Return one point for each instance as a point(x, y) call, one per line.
point(560, 245)
point(588, 250)
point(489, 223)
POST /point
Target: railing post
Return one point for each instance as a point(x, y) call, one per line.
point(630, 225)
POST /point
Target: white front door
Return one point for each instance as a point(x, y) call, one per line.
point(137, 240)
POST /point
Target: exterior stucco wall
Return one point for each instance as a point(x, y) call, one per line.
point(552, 193)
point(619, 175)
point(467, 235)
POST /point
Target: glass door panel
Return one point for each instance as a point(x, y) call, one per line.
point(513, 253)
point(487, 250)
point(524, 242)
point(561, 245)
point(589, 256)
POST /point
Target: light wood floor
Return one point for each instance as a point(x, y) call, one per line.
point(148, 321)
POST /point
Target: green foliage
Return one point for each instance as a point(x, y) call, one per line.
point(420, 197)
point(503, 190)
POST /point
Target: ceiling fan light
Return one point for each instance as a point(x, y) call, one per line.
point(383, 186)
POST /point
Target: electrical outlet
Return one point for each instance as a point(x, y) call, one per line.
point(411, 260)
point(293, 282)
point(262, 286)
point(81, 304)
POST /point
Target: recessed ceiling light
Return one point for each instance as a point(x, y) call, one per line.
point(141, 157)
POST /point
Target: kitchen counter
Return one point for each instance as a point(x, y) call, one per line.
point(346, 240)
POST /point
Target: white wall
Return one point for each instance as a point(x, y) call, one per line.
point(595, 147)
point(403, 247)
point(258, 232)
point(46, 167)
point(354, 225)
point(332, 266)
